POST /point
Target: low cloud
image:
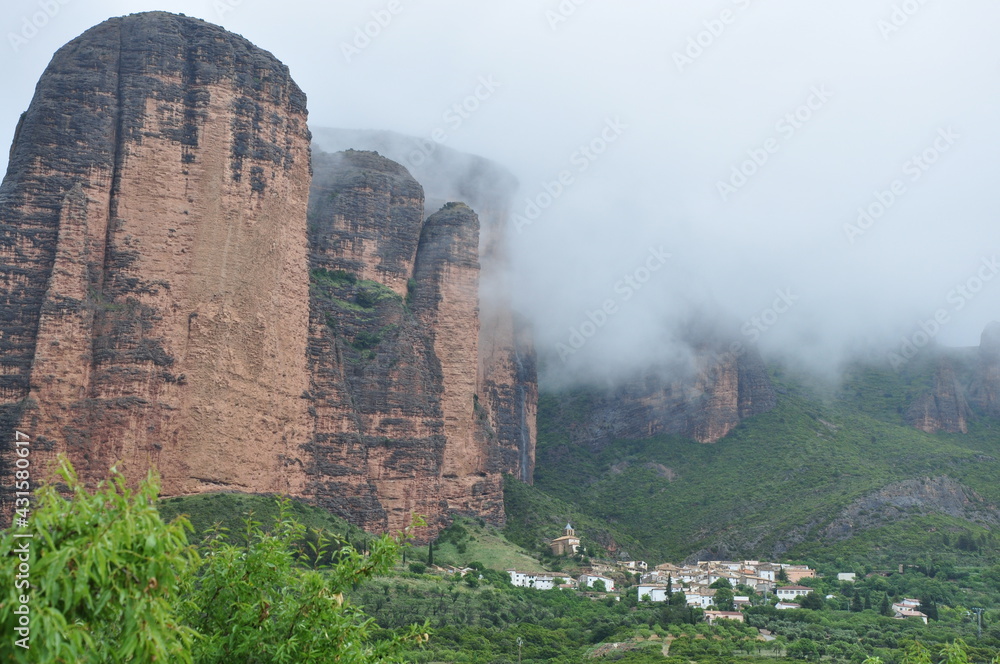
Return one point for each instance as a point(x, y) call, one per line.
point(826, 206)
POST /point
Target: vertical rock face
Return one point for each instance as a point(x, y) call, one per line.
point(985, 392)
point(372, 232)
point(943, 409)
point(704, 405)
point(506, 381)
point(507, 377)
point(153, 267)
point(174, 294)
point(966, 385)
point(398, 427)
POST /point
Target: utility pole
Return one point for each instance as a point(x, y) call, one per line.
point(520, 642)
point(979, 614)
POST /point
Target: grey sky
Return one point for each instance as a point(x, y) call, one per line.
point(831, 104)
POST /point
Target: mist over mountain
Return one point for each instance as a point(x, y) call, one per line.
point(815, 179)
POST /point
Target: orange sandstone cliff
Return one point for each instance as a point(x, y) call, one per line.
point(178, 291)
point(506, 377)
point(154, 285)
point(393, 350)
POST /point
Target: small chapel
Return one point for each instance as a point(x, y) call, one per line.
point(567, 544)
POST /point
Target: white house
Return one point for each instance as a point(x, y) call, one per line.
point(781, 606)
point(588, 580)
point(758, 583)
point(902, 614)
point(533, 580)
point(701, 599)
point(791, 592)
point(846, 576)
point(655, 591)
point(906, 605)
point(768, 571)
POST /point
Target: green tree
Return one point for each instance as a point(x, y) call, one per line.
point(599, 586)
point(112, 583)
point(954, 653)
point(723, 599)
point(929, 608)
point(813, 601)
point(916, 654)
point(886, 606)
point(253, 603)
point(803, 649)
point(106, 576)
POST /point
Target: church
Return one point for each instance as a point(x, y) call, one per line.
point(567, 544)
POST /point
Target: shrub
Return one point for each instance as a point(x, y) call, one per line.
point(112, 583)
point(107, 576)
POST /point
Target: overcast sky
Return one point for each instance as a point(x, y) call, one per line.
point(889, 106)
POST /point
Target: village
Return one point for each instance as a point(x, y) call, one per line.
point(699, 583)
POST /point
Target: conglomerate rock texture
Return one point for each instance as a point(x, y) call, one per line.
point(506, 379)
point(944, 408)
point(177, 291)
point(985, 389)
point(153, 286)
point(966, 385)
point(703, 403)
point(398, 424)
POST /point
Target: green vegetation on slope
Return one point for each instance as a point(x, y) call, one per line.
point(467, 541)
point(534, 515)
point(482, 622)
point(775, 483)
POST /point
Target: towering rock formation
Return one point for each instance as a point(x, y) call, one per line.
point(966, 385)
point(506, 381)
point(944, 408)
point(393, 357)
point(153, 286)
point(173, 294)
point(985, 389)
